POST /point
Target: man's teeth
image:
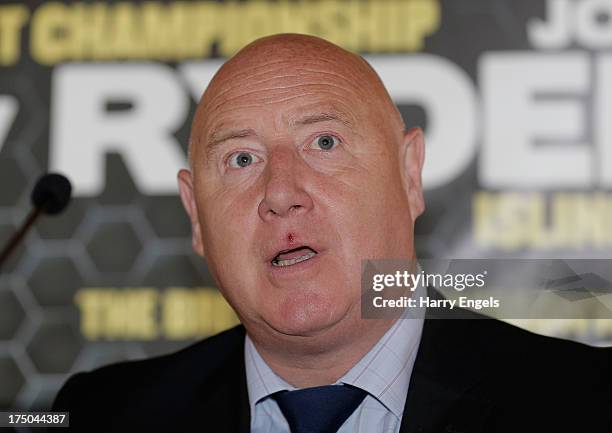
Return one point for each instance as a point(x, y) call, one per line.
point(289, 262)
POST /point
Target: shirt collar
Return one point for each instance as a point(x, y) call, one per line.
point(261, 380)
point(384, 372)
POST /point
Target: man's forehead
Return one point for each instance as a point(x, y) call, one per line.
point(291, 79)
point(277, 120)
point(271, 82)
point(285, 115)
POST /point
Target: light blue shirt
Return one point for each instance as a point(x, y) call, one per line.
point(384, 372)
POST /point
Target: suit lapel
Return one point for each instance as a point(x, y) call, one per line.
point(244, 410)
point(228, 407)
point(223, 403)
point(434, 408)
point(442, 395)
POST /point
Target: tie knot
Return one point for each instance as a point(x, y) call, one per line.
point(321, 409)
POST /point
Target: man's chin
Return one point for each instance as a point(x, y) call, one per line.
point(308, 320)
point(303, 329)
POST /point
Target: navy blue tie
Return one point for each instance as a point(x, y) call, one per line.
point(321, 409)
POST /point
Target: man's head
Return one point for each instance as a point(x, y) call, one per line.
point(298, 153)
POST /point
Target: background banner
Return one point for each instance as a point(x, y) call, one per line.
point(515, 97)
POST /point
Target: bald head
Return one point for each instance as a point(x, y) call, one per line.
point(280, 64)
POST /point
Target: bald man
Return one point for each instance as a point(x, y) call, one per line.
point(300, 167)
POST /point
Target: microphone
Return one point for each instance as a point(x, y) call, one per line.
point(51, 196)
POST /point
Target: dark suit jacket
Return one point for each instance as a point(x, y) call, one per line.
point(470, 375)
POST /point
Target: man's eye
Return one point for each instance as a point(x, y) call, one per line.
point(242, 159)
point(326, 142)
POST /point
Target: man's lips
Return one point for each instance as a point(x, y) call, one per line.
point(293, 256)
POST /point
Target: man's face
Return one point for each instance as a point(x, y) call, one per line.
point(296, 179)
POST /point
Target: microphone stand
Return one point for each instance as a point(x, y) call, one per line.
point(12, 244)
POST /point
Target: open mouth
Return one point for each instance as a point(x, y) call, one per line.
point(293, 256)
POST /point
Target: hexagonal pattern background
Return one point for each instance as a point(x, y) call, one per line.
point(114, 247)
point(55, 280)
point(12, 314)
point(54, 347)
point(11, 379)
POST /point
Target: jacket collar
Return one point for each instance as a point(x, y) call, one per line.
point(222, 405)
point(448, 368)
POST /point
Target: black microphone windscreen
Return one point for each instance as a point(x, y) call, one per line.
point(52, 193)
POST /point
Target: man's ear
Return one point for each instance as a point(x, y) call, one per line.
point(412, 160)
point(185, 183)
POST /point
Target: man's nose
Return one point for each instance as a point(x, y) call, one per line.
point(284, 194)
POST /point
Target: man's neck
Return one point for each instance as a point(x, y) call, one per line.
point(315, 361)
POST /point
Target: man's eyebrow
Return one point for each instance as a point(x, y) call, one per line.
point(323, 117)
point(219, 136)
